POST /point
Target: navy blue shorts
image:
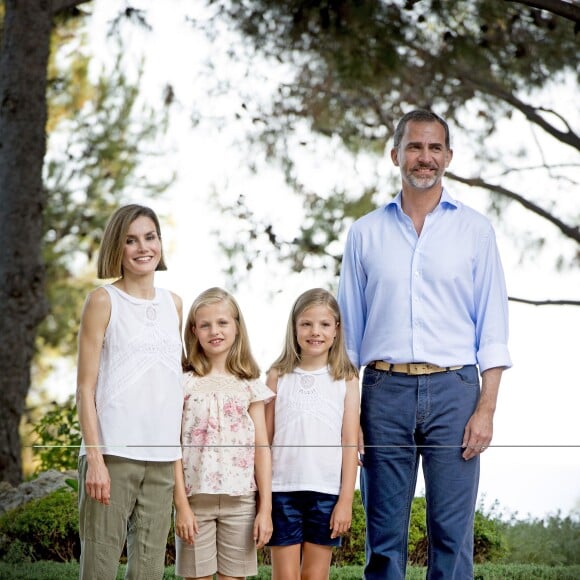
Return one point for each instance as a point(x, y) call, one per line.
point(302, 516)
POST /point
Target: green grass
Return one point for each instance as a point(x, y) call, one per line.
point(70, 571)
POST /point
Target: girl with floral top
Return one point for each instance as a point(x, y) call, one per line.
point(226, 458)
point(313, 426)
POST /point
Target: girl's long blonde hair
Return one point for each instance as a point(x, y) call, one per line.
point(338, 361)
point(240, 361)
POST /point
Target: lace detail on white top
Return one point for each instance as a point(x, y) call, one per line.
point(139, 396)
point(306, 450)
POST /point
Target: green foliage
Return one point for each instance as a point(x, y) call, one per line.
point(552, 541)
point(69, 571)
point(264, 557)
point(39, 571)
point(315, 246)
point(100, 133)
point(57, 436)
point(47, 529)
point(170, 550)
point(490, 543)
point(62, 571)
point(417, 548)
point(92, 166)
point(68, 85)
point(346, 572)
point(525, 572)
point(352, 551)
point(43, 529)
point(367, 61)
point(352, 69)
point(489, 540)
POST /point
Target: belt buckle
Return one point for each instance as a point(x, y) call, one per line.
point(419, 368)
point(423, 369)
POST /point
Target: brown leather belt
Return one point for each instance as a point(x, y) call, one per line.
point(412, 368)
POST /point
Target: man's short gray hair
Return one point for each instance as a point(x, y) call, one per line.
point(420, 116)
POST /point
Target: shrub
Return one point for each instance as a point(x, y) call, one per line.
point(352, 551)
point(554, 540)
point(47, 529)
point(58, 437)
point(170, 550)
point(489, 544)
point(418, 544)
point(42, 529)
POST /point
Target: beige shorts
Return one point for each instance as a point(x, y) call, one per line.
point(225, 542)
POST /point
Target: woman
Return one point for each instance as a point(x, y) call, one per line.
point(129, 400)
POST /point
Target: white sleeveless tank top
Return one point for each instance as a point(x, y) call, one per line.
point(306, 449)
point(139, 393)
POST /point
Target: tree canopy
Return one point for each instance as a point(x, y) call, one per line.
point(490, 68)
point(351, 69)
point(55, 202)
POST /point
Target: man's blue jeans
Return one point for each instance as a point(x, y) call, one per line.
point(405, 418)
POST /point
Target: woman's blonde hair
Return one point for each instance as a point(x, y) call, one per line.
point(110, 260)
point(240, 361)
point(338, 361)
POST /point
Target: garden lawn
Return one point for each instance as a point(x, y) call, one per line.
point(70, 571)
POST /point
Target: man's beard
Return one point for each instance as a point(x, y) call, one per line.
point(426, 182)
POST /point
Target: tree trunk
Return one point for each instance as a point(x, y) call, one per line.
point(23, 305)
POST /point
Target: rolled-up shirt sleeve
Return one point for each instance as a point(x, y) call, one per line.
point(491, 306)
point(438, 297)
point(351, 297)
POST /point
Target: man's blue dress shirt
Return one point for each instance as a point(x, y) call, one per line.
point(439, 297)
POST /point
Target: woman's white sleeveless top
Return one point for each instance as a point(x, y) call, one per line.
point(139, 393)
point(306, 449)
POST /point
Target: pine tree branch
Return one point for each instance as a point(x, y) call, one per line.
point(572, 232)
point(563, 302)
point(569, 10)
point(531, 113)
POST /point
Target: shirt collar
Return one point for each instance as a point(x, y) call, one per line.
point(445, 201)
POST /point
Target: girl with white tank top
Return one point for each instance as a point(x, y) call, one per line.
point(313, 427)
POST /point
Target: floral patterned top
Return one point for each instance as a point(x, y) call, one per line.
point(217, 434)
